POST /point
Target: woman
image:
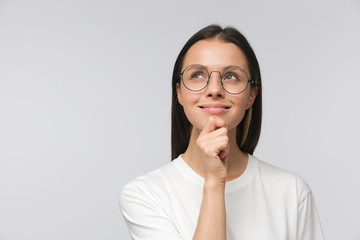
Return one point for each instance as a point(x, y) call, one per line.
point(214, 188)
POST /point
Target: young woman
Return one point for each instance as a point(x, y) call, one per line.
point(214, 188)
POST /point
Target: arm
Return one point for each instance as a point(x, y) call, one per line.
point(212, 219)
point(214, 145)
point(309, 226)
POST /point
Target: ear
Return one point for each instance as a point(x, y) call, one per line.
point(178, 92)
point(252, 96)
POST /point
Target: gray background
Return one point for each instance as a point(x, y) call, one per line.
point(85, 104)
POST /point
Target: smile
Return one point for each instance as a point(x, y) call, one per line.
point(215, 109)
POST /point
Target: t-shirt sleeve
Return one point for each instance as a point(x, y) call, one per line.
point(144, 216)
point(308, 227)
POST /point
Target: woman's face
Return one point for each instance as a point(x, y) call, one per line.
point(215, 55)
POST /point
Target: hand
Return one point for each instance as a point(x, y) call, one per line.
point(213, 142)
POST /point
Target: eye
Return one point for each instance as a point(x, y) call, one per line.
point(198, 75)
point(231, 76)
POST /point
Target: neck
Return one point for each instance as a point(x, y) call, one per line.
point(237, 160)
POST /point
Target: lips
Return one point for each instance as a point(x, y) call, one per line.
point(215, 108)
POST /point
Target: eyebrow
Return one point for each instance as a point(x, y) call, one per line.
point(224, 68)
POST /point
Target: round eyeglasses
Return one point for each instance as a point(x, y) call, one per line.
point(234, 80)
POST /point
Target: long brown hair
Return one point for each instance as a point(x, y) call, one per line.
point(248, 131)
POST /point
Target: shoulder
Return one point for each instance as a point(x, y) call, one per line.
point(280, 179)
point(151, 186)
point(144, 182)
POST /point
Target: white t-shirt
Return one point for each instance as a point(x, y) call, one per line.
point(264, 203)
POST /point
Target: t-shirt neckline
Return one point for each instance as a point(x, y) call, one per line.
point(231, 185)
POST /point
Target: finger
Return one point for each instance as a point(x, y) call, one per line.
point(213, 146)
point(223, 155)
point(205, 140)
point(209, 126)
point(212, 124)
point(219, 123)
point(216, 133)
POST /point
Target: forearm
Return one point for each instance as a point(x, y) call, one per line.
point(212, 218)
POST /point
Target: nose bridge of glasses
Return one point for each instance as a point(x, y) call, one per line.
point(211, 73)
point(215, 83)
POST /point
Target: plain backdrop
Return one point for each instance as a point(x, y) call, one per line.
point(85, 91)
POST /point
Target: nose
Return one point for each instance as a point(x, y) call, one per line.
point(214, 88)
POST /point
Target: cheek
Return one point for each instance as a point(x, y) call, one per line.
point(188, 98)
point(235, 120)
point(237, 115)
point(192, 112)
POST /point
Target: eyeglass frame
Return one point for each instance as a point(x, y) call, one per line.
point(252, 82)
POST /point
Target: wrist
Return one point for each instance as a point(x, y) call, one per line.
point(212, 185)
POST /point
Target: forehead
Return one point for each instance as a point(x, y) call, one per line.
point(215, 55)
